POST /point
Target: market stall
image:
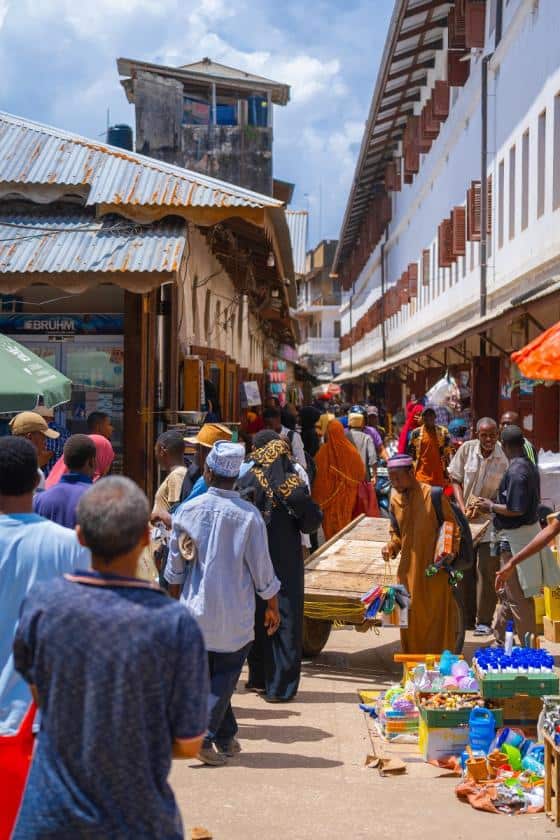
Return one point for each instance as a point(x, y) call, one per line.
point(493, 722)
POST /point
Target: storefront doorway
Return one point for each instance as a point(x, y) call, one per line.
point(93, 359)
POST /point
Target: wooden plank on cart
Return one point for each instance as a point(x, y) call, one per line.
point(351, 563)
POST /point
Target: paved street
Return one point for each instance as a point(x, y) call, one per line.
point(302, 776)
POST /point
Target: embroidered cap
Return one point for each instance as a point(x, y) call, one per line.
point(400, 462)
point(225, 458)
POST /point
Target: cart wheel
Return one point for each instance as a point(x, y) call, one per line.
point(315, 635)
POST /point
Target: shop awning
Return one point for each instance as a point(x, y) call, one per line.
point(73, 250)
point(24, 377)
point(540, 359)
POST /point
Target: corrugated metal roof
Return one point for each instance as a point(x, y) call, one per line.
point(53, 243)
point(297, 225)
point(415, 35)
point(32, 153)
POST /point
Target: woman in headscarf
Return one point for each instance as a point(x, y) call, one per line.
point(308, 419)
point(104, 457)
point(340, 470)
point(413, 420)
point(272, 483)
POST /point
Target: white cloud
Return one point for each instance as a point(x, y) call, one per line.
point(57, 65)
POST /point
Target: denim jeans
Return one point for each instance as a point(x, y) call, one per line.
point(225, 669)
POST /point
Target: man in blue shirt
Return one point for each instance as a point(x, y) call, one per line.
point(120, 673)
point(218, 559)
point(59, 503)
point(31, 550)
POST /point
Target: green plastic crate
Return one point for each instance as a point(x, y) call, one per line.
point(444, 718)
point(508, 685)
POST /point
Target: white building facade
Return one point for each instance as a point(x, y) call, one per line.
point(466, 90)
point(318, 314)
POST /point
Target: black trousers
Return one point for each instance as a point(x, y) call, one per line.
point(275, 661)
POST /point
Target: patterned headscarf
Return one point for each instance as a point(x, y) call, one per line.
point(272, 476)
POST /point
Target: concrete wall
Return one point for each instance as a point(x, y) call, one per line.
point(241, 155)
point(524, 80)
point(212, 313)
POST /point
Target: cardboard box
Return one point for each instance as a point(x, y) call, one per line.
point(521, 711)
point(551, 629)
point(436, 744)
point(552, 603)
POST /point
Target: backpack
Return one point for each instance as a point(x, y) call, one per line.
point(464, 559)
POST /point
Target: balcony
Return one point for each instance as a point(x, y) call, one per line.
point(319, 347)
point(317, 304)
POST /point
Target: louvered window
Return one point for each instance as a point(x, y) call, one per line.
point(475, 21)
point(458, 218)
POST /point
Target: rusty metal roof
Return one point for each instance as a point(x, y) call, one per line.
point(297, 225)
point(32, 153)
point(415, 35)
point(47, 241)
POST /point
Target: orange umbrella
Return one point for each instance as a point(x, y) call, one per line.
point(540, 359)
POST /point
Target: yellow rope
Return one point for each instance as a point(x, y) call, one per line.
point(334, 610)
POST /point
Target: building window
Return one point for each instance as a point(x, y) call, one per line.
point(556, 158)
point(501, 204)
point(512, 192)
point(541, 164)
point(434, 271)
point(525, 181)
point(337, 329)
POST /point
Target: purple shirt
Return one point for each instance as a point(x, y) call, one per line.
point(59, 503)
point(375, 436)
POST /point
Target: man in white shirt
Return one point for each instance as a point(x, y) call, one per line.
point(273, 421)
point(35, 428)
point(476, 471)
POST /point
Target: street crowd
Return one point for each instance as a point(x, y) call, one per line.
point(128, 624)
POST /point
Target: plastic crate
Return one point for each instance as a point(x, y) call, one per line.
point(508, 685)
point(450, 718)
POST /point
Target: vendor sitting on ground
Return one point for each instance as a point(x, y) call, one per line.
point(414, 532)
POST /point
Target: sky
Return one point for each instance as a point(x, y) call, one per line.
point(58, 66)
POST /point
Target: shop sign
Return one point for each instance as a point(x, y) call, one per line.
point(46, 323)
point(250, 394)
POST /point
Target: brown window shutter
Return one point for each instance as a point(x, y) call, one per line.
point(473, 212)
point(402, 285)
point(413, 280)
point(457, 70)
point(456, 30)
point(440, 100)
point(445, 242)
point(426, 267)
point(430, 125)
point(475, 21)
point(390, 176)
point(458, 218)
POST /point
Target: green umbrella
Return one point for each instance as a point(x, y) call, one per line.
point(24, 377)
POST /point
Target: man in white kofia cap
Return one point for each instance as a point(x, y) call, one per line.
point(218, 559)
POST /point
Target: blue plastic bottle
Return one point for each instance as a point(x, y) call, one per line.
point(482, 729)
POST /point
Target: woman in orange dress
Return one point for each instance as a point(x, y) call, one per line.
point(340, 470)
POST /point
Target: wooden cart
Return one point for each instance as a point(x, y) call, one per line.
point(341, 571)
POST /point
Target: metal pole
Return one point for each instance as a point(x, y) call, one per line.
point(484, 188)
